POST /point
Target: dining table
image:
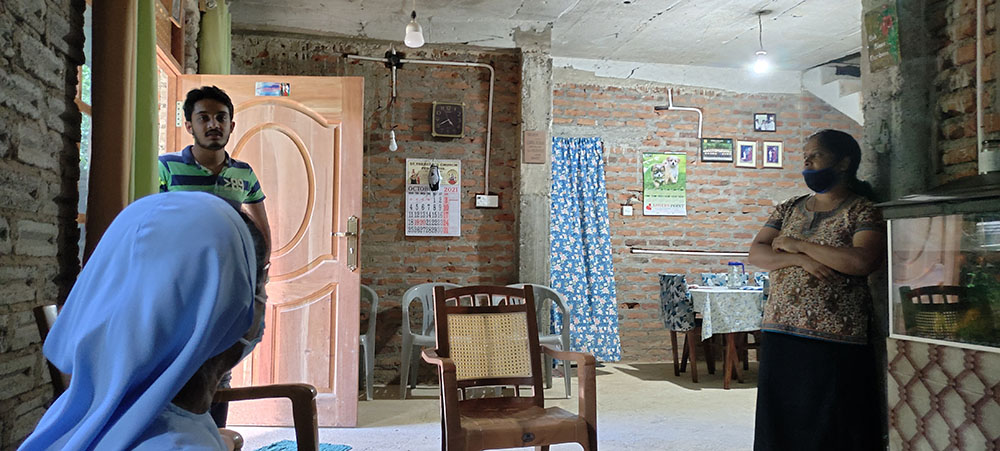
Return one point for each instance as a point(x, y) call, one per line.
point(729, 311)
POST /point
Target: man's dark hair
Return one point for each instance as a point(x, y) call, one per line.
point(206, 92)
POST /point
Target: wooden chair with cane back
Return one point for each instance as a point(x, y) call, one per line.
point(487, 337)
point(302, 396)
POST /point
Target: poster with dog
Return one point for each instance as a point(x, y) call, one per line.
point(664, 184)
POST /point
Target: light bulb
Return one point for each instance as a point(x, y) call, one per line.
point(414, 34)
point(392, 141)
point(760, 64)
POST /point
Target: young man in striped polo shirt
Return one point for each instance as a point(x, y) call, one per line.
point(206, 166)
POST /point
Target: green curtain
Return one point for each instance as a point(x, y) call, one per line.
point(144, 152)
point(214, 41)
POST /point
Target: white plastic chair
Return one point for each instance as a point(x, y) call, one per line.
point(408, 360)
point(368, 339)
point(543, 297)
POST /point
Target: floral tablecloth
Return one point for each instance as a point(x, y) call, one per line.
point(725, 310)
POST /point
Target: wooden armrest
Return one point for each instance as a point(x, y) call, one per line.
point(581, 358)
point(294, 392)
point(445, 363)
point(586, 375)
point(303, 397)
point(449, 385)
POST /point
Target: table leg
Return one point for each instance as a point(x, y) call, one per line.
point(709, 346)
point(732, 359)
point(728, 359)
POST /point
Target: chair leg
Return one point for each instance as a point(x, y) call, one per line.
point(414, 369)
point(404, 364)
point(692, 344)
point(673, 349)
point(369, 369)
point(684, 355)
point(547, 370)
point(566, 377)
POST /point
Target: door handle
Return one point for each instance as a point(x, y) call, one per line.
point(352, 242)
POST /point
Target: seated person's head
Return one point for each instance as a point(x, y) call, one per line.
point(161, 304)
point(196, 395)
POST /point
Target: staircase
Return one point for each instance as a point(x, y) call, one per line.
point(841, 91)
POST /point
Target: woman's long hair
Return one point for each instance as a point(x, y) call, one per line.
point(843, 145)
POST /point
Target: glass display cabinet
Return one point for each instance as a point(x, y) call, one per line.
point(944, 264)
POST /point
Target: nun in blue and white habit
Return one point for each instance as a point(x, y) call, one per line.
point(155, 318)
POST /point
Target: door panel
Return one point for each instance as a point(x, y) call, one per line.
point(306, 151)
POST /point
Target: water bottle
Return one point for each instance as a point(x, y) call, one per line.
point(735, 277)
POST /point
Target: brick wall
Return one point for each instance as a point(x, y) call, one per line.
point(943, 397)
point(954, 25)
point(41, 44)
point(726, 205)
point(392, 262)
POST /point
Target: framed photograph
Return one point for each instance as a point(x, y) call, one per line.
point(764, 122)
point(772, 154)
point(717, 150)
point(746, 154)
point(176, 12)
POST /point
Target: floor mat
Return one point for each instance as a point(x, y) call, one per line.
point(288, 445)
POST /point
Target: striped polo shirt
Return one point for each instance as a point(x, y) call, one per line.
point(179, 171)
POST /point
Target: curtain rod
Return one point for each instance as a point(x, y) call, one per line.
point(694, 253)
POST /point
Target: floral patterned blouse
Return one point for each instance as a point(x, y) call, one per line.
point(799, 303)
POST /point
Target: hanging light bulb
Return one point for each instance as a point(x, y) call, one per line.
point(392, 141)
point(414, 34)
point(761, 64)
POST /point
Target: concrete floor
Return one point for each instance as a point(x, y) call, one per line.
point(641, 406)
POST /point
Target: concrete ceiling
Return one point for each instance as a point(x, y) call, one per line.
point(797, 34)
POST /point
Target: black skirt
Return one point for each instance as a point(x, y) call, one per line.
point(816, 395)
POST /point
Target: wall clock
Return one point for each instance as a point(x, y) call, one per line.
point(447, 120)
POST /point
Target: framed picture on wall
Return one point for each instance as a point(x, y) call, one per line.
point(765, 122)
point(717, 150)
point(176, 11)
point(746, 154)
point(772, 154)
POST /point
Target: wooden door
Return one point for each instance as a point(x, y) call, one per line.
point(305, 148)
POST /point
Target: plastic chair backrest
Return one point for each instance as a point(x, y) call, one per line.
point(675, 305)
point(423, 292)
point(544, 297)
point(368, 295)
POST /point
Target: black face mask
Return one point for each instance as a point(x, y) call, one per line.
point(821, 180)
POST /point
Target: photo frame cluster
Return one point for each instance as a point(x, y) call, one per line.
point(744, 152)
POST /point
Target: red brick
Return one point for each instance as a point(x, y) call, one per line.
point(965, 54)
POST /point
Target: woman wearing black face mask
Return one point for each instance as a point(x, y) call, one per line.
point(817, 384)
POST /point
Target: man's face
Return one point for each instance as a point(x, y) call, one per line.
point(210, 124)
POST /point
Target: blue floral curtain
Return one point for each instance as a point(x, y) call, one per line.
point(581, 265)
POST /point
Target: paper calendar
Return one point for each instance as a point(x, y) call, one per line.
point(433, 197)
